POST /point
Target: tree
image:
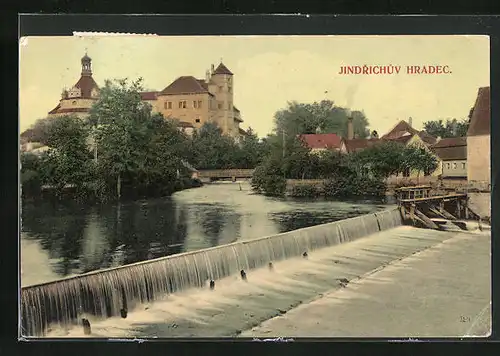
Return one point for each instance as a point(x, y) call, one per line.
point(39, 131)
point(67, 160)
point(323, 116)
point(383, 159)
point(419, 159)
point(450, 128)
point(122, 122)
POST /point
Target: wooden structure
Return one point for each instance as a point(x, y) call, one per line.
point(419, 191)
point(430, 211)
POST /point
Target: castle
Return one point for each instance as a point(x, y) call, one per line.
point(190, 101)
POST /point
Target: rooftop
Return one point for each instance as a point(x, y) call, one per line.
point(322, 141)
point(480, 121)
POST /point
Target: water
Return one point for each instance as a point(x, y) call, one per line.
point(68, 239)
point(104, 293)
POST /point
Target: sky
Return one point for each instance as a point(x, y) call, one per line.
point(270, 71)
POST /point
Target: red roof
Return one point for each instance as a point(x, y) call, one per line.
point(86, 84)
point(184, 85)
point(148, 95)
point(399, 130)
point(222, 69)
point(480, 121)
point(358, 144)
point(318, 141)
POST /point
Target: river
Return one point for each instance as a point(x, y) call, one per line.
point(67, 239)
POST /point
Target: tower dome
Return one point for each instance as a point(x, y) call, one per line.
point(86, 65)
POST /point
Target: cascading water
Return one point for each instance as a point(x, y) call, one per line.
point(104, 293)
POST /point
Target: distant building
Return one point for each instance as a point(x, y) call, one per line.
point(478, 140)
point(357, 144)
point(322, 142)
point(405, 134)
point(79, 99)
point(190, 101)
point(453, 154)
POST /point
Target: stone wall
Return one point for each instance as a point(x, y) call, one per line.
point(480, 203)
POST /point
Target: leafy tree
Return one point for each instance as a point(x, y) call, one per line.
point(382, 160)
point(450, 128)
point(67, 159)
point(122, 122)
point(419, 159)
point(323, 116)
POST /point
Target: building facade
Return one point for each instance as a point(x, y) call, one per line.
point(322, 142)
point(478, 140)
point(453, 155)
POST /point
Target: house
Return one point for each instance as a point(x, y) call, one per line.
point(404, 133)
point(478, 140)
point(453, 154)
point(321, 142)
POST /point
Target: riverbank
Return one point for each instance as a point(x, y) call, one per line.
point(235, 306)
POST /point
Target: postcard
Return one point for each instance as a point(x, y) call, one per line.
point(260, 187)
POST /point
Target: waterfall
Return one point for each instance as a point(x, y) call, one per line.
point(100, 293)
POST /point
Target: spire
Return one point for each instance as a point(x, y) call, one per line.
point(86, 64)
point(222, 69)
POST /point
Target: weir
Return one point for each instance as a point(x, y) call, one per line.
point(103, 293)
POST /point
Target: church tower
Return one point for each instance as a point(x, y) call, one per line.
point(222, 81)
point(86, 65)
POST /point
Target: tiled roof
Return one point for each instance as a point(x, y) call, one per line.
point(451, 142)
point(427, 138)
point(451, 149)
point(358, 144)
point(86, 84)
point(203, 83)
point(148, 95)
point(58, 110)
point(451, 153)
point(318, 141)
point(481, 116)
point(399, 130)
point(222, 69)
point(184, 85)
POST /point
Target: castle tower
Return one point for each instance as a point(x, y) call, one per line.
point(86, 65)
point(222, 80)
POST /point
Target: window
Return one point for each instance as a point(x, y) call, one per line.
point(197, 121)
point(448, 166)
point(229, 88)
point(182, 104)
point(463, 165)
point(454, 165)
point(74, 102)
point(220, 106)
point(230, 106)
point(168, 105)
point(220, 88)
point(197, 104)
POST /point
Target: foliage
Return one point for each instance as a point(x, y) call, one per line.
point(419, 159)
point(305, 190)
point(268, 179)
point(323, 116)
point(450, 128)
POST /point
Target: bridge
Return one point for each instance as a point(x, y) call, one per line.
point(210, 175)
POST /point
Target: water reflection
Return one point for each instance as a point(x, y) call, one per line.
point(78, 239)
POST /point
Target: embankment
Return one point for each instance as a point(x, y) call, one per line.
point(104, 293)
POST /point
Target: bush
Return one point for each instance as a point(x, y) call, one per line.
point(305, 190)
point(354, 185)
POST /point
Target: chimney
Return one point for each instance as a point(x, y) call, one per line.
point(207, 76)
point(213, 69)
point(350, 128)
point(410, 122)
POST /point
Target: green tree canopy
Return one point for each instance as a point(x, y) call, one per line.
point(450, 128)
point(323, 116)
